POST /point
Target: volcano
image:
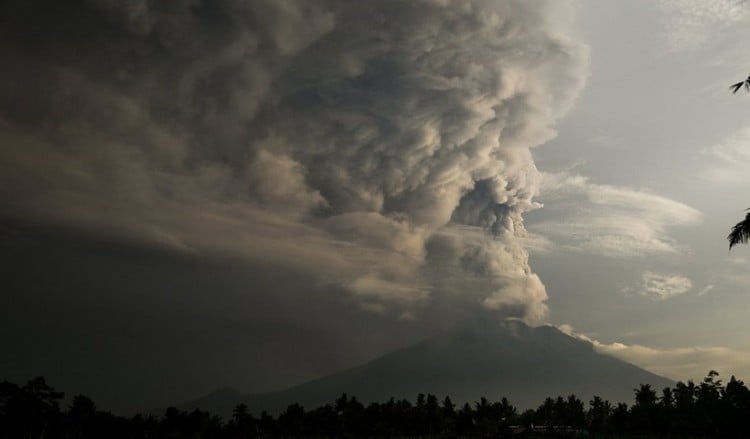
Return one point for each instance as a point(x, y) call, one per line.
point(525, 364)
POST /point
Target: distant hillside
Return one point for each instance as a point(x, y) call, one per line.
point(525, 364)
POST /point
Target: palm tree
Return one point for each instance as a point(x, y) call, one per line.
point(735, 87)
point(740, 232)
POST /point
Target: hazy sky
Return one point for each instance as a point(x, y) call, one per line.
point(254, 193)
point(642, 183)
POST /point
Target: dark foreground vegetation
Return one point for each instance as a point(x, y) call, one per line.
point(708, 409)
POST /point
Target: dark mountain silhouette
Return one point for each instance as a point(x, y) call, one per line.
point(525, 364)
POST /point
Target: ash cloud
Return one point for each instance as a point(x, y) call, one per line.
point(383, 146)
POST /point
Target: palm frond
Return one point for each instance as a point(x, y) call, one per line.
point(740, 233)
point(736, 87)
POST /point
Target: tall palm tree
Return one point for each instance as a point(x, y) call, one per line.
point(736, 87)
point(740, 232)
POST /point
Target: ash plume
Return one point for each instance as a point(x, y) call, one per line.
point(384, 146)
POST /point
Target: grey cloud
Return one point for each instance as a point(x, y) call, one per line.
point(679, 363)
point(383, 146)
point(693, 24)
point(607, 220)
point(660, 286)
point(728, 160)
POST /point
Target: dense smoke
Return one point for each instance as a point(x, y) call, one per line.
point(384, 146)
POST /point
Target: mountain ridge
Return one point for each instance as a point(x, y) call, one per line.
point(525, 364)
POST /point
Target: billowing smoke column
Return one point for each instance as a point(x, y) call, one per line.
point(383, 146)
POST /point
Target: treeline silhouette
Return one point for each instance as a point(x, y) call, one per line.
point(708, 409)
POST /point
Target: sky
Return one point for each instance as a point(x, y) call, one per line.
point(255, 193)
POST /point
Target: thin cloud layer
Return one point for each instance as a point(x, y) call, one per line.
point(607, 220)
point(681, 363)
point(728, 160)
point(383, 146)
point(659, 286)
point(694, 24)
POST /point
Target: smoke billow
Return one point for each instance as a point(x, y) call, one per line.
point(384, 146)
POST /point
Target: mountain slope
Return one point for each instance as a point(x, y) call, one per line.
point(519, 362)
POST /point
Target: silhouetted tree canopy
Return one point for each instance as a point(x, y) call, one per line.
point(687, 410)
point(737, 86)
point(740, 232)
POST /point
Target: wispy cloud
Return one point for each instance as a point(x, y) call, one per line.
point(707, 289)
point(659, 286)
point(694, 24)
point(608, 220)
point(733, 276)
point(729, 159)
point(680, 363)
